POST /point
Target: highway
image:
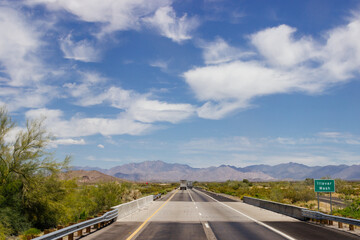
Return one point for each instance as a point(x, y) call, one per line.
point(192, 214)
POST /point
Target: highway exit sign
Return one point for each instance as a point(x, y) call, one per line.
point(324, 185)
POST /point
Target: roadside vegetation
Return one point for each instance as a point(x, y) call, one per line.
point(32, 195)
point(300, 193)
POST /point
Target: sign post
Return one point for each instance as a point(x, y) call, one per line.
point(324, 185)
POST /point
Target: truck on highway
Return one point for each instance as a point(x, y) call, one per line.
point(189, 184)
point(183, 184)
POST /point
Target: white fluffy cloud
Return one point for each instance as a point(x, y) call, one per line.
point(66, 141)
point(78, 127)
point(148, 111)
point(21, 68)
point(283, 64)
point(341, 54)
point(137, 107)
point(230, 86)
point(279, 47)
point(219, 51)
point(81, 51)
point(168, 25)
point(126, 15)
point(19, 42)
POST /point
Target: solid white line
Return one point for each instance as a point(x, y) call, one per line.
point(199, 213)
point(253, 219)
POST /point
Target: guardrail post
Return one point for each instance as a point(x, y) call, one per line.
point(88, 229)
point(340, 224)
point(98, 226)
point(351, 227)
point(58, 228)
point(71, 236)
point(79, 233)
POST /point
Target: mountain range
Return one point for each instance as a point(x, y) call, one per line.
point(159, 171)
point(88, 177)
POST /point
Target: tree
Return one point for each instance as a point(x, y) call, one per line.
point(25, 167)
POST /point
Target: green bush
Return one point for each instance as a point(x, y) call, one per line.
point(352, 211)
point(4, 232)
point(32, 232)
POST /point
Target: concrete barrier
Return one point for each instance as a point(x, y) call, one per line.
point(130, 207)
point(289, 210)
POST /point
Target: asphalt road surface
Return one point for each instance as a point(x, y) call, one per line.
point(192, 214)
point(335, 201)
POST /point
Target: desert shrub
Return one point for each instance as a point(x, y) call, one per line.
point(32, 232)
point(4, 232)
point(352, 211)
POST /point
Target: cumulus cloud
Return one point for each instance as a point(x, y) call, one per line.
point(148, 111)
point(66, 141)
point(126, 15)
point(22, 69)
point(278, 46)
point(100, 146)
point(219, 51)
point(78, 127)
point(283, 64)
point(81, 51)
point(341, 54)
point(168, 25)
point(135, 106)
point(19, 42)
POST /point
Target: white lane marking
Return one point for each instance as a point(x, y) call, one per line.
point(207, 225)
point(253, 219)
point(199, 213)
point(196, 207)
point(190, 196)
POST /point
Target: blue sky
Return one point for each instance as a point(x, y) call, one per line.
point(202, 83)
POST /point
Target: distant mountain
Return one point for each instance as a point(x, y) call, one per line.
point(298, 171)
point(89, 177)
point(162, 171)
point(351, 173)
point(87, 168)
point(281, 171)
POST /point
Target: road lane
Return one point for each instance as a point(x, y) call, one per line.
point(191, 214)
point(173, 230)
point(290, 226)
point(227, 223)
point(181, 196)
point(115, 231)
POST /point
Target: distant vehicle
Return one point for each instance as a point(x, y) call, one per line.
point(189, 184)
point(183, 184)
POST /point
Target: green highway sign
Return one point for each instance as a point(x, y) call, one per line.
point(324, 185)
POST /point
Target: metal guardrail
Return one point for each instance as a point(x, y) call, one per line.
point(323, 216)
point(157, 196)
point(109, 216)
point(118, 212)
